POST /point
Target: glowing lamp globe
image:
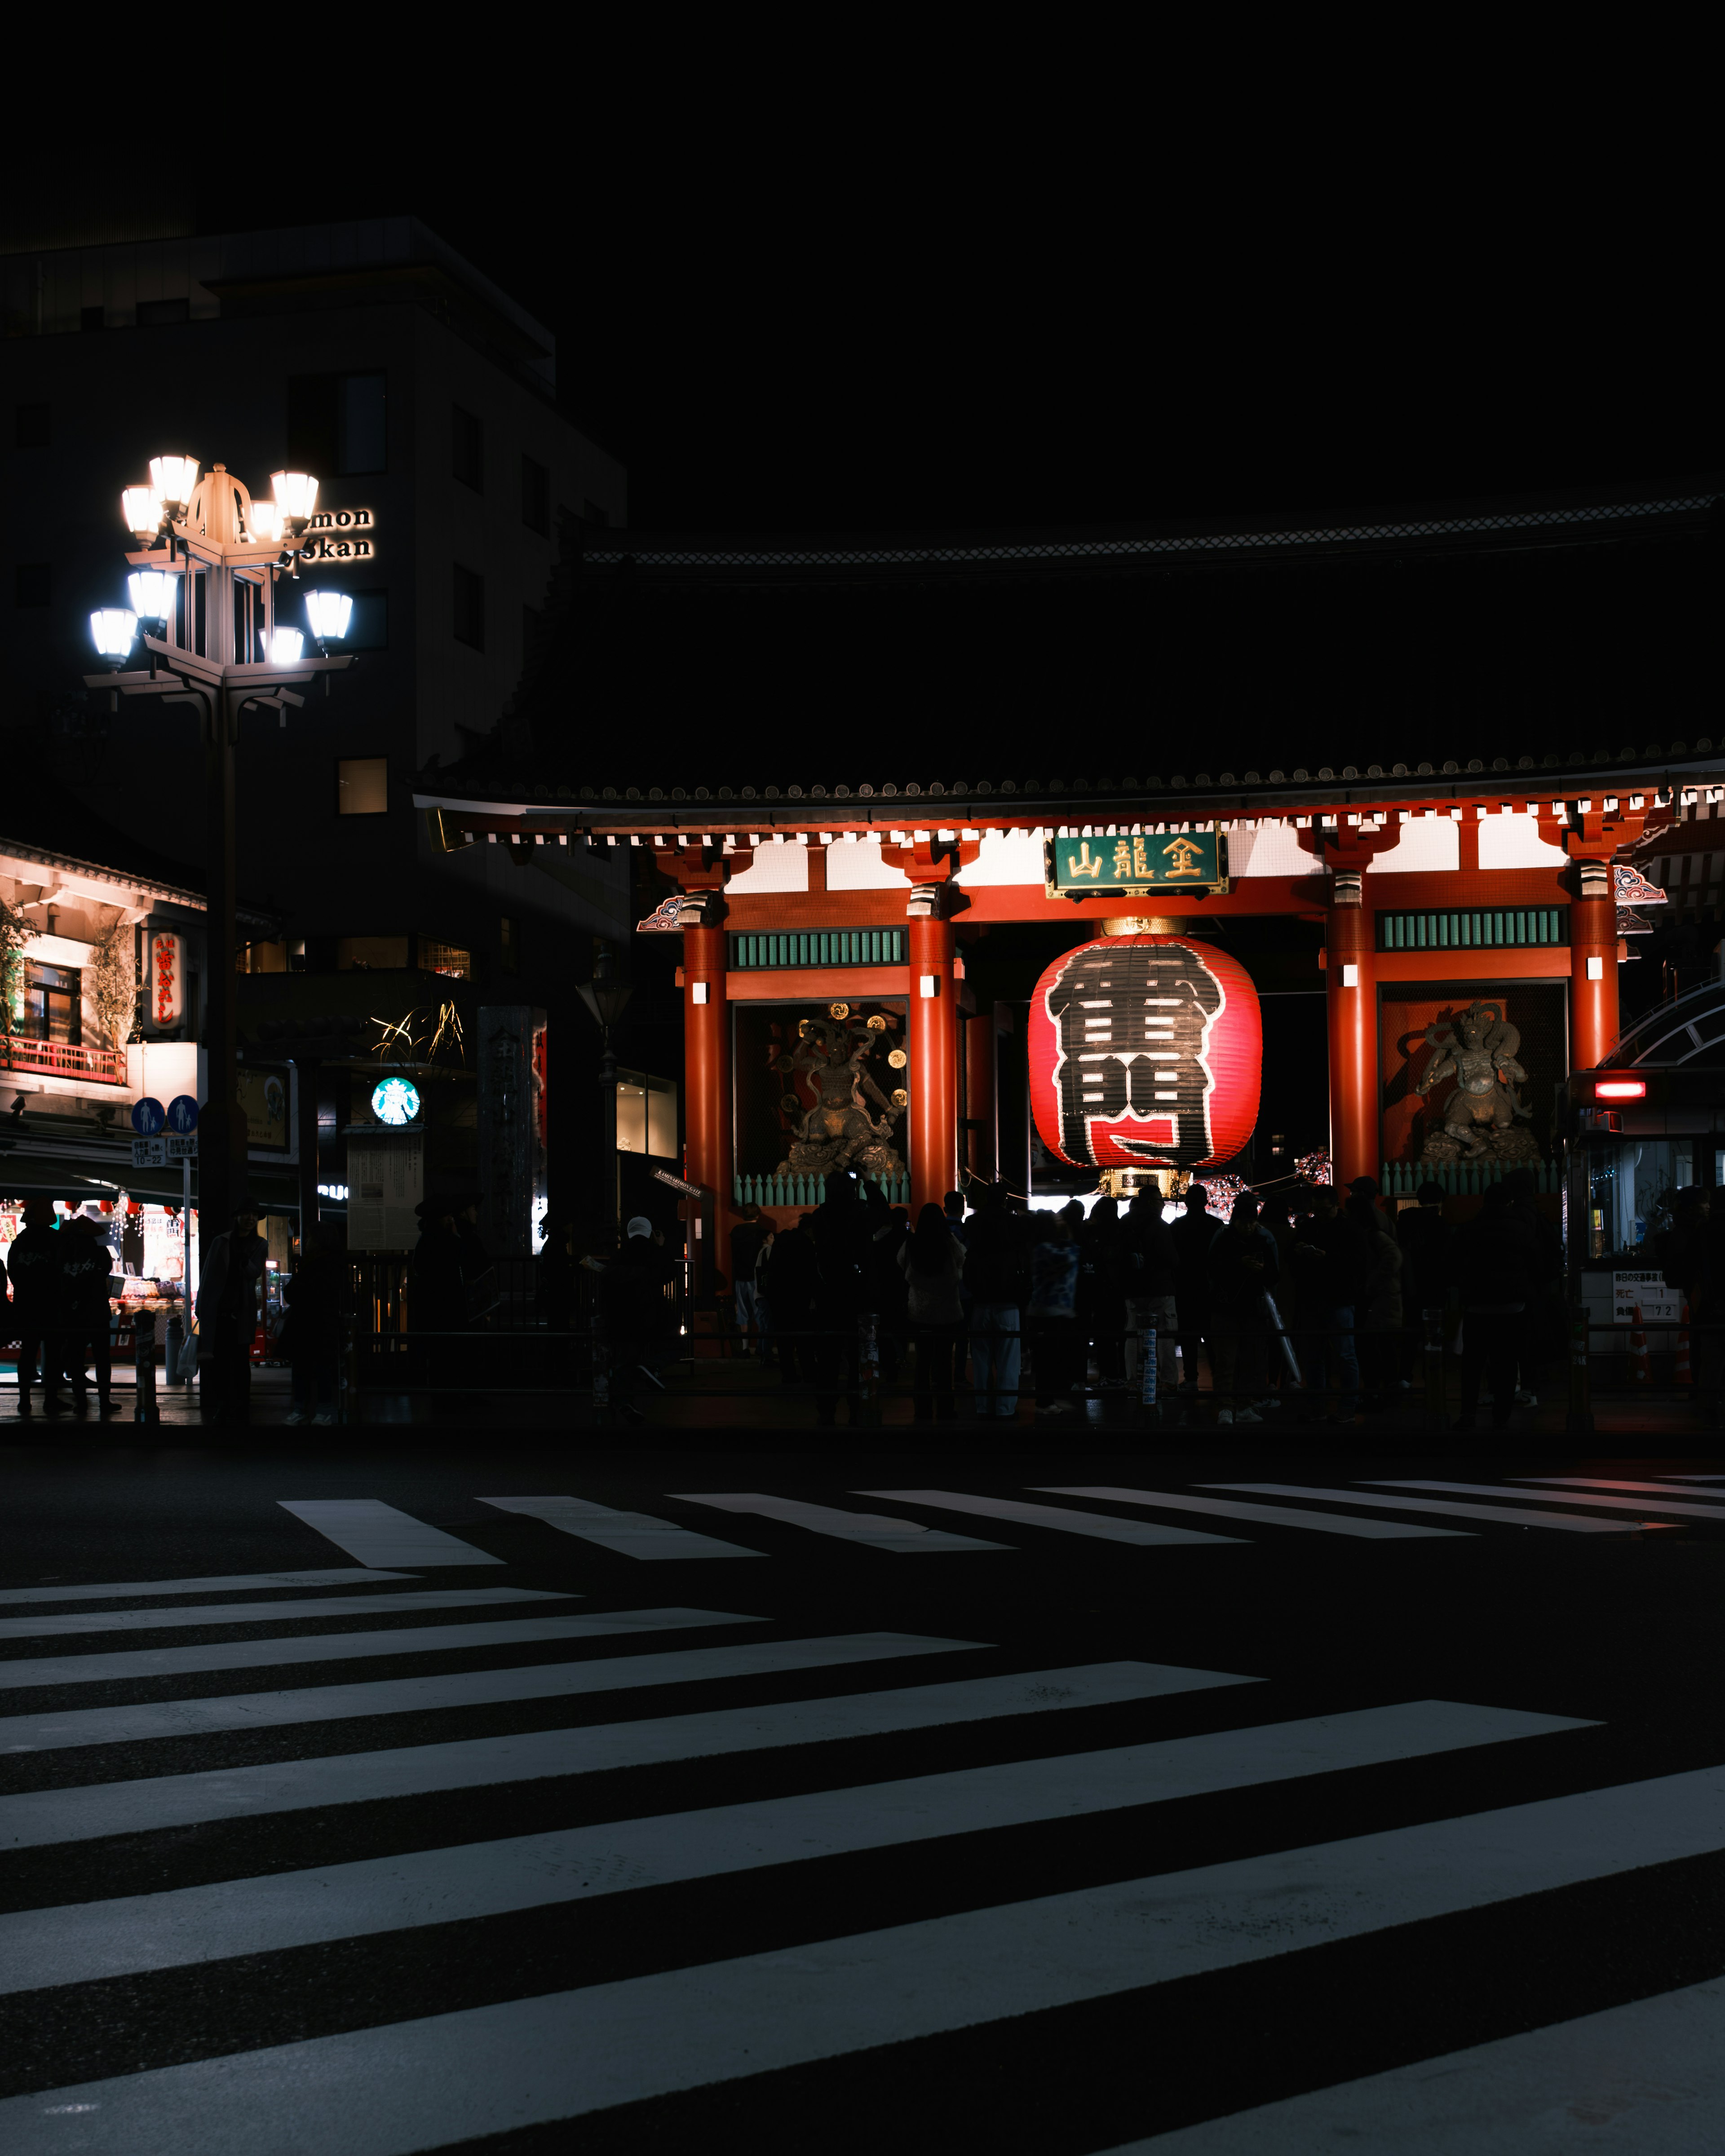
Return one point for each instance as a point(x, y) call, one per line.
point(113, 630)
point(328, 614)
point(1145, 1051)
point(287, 647)
point(151, 593)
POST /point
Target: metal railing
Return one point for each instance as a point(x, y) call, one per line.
point(63, 1058)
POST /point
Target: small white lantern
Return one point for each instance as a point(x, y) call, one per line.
point(285, 646)
point(296, 496)
point(151, 593)
point(173, 479)
point(329, 613)
point(263, 521)
point(142, 508)
point(113, 631)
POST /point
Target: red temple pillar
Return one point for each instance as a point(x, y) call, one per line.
point(981, 1148)
point(933, 1045)
point(1593, 966)
point(1351, 987)
point(706, 1072)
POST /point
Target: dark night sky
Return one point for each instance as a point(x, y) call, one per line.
point(801, 335)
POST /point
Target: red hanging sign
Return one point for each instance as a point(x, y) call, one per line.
point(167, 979)
point(1145, 1051)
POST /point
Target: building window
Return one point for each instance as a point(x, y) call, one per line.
point(368, 624)
point(261, 958)
point(508, 946)
point(468, 447)
point(30, 426)
point(362, 424)
point(591, 513)
point(362, 786)
point(536, 496)
point(33, 584)
point(158, 314)
point(469, 623)
point(92, 318)
point(370, 954)
point(445, 958)
point(338, 423)
point(53, 1004)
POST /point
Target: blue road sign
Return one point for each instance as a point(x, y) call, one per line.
point(148, 1117)
point(183, 1114)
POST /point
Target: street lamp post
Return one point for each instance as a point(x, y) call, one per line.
point(206, 567)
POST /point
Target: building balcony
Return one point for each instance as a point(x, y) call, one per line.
point(60, 1058)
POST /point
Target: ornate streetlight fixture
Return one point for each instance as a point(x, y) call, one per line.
point(207, 564)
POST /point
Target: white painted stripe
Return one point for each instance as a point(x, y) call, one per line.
point(1101, 1526)
point(1639, 1507)
point(375, 1533)
point(1647, 2078)
point(332, 1647)
point(1282, 1515)
point(344, 1575)
point(49, 1625)
point(266, 1710)
point(40, 1818)
point(1710, 1512)
point(1574, 1522)
point(1696, 1478)
point(872, 1529)
point(91, 1939)
point(629, 1534)
point(416, 2085)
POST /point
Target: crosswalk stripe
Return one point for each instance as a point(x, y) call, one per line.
point(1639, 1505)
point(344, 1575)
point(49, 1625)
point(410, 2084)
point(88, 1940)
point(377, 1533)
point(1101, 1526)
point(1648, 2077)
point(1586, 1484)
point(142, 1720)
point(1281, 1516)
point(332, 1647)
point(905, 1537)
point(1574, 1523)
point(37, 1819)
point(629, 1534)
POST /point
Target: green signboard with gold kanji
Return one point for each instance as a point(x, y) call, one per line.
point(1141, 862)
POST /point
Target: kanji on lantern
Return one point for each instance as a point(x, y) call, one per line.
point(1145, 1051)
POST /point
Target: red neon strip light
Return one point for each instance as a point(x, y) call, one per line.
point(1621, 1089)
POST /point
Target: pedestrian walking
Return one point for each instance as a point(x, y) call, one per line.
point(316, 1294)
point(228, 1318)
point(1497, 1264)
point(1379, 1314)
point(1193, 1235)
point(1056, 1349)
point(1425, 1238)
point(87, 1267)
point(1150, 1301)
point(933, 1263)
point(748, 1238)
point(39, 1300)
point(843, 1248)
point(1243, 1269)
point(998, 1275)
point(1330, 1253)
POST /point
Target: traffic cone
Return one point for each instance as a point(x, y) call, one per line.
point(1683, 1374)
point(1640, 1364)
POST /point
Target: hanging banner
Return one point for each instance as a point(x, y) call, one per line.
point(1145, 1051)
point(167, 979)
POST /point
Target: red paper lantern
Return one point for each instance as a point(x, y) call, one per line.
point(1145, 1052)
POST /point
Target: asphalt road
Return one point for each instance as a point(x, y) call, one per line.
point(484, 1797)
